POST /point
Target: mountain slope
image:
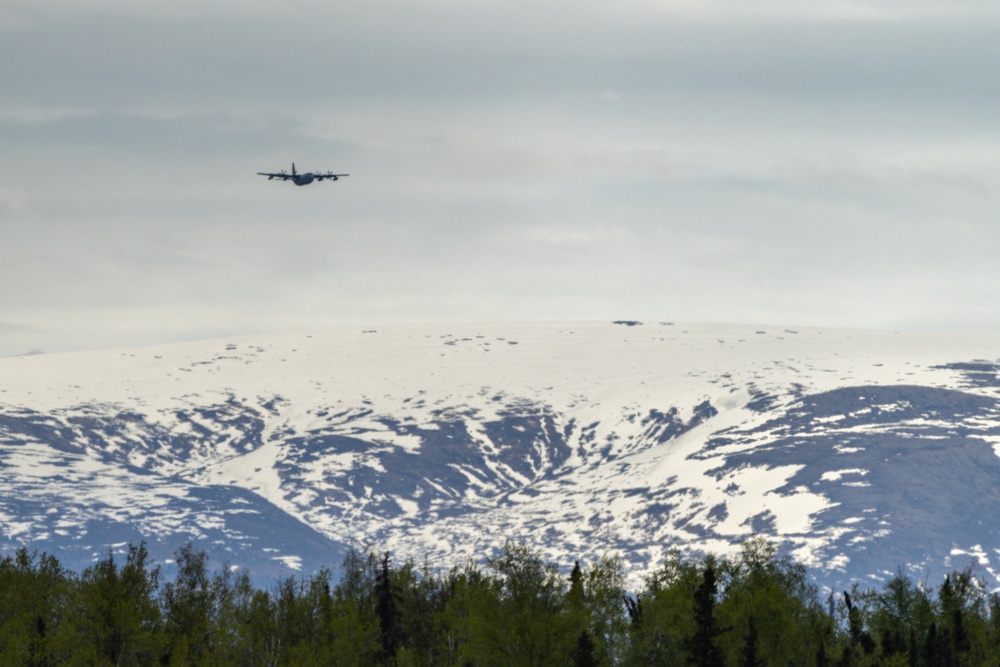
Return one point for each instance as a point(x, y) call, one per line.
point(858, 451)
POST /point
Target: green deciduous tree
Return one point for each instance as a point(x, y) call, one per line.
point(662, 614)
point(776, 595)
point(35, 618)
point(516, 615)
point(118, 611)
point(753, 608)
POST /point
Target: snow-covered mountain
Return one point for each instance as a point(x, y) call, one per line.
point(859, 452)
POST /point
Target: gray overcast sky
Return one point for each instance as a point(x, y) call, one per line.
point(783, 162)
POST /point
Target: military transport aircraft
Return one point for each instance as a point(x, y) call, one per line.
point(301, 179)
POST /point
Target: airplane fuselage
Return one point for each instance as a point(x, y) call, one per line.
point(301, 179)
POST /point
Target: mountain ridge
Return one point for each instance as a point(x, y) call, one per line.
point(856, 451)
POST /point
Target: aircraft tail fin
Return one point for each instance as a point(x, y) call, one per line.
point(293, 169)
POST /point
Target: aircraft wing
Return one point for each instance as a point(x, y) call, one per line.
point(283, 176)
point(332, 177)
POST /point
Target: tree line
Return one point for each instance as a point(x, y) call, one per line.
point(750, 609)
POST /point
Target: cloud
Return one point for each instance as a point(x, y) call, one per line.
point(782, 160)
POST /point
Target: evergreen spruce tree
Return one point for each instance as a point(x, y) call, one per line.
point(703, 649)
point(576, 599)
point(952, 596)
point(933, 653)
point(583, 655)
point(748, 654)
point(576, 595)
point(860, 639)
point(520, 611)
point(387, 608)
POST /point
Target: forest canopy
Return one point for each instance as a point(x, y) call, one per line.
point(750, 609)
